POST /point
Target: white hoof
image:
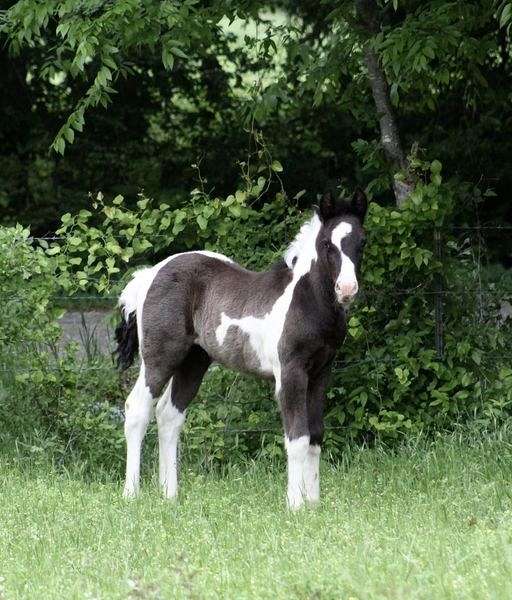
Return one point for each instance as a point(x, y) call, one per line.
point(169, 494)
point(130, 493)
point(295, 502)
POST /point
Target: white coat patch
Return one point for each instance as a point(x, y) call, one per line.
point(265, 332)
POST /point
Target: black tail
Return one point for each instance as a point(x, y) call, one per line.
point(127, 341)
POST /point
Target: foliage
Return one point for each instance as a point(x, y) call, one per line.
point(96, 39)
point(389, 380)
point(97, 245)
point(194, 85)
point(297, 72)
point(26, 288)
point(50, 399)
point(399, 381)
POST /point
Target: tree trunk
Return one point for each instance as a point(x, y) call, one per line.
point(367, 11)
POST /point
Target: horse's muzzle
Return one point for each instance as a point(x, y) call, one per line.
point(346, 293)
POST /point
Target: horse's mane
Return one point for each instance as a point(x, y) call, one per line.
point(305, 239)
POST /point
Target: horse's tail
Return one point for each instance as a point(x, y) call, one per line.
point(127, 340)
point(126, 334)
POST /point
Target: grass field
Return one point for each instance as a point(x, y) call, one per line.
point(431, 520)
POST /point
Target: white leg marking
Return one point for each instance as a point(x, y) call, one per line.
point(170, 422)
point(139, 410)
point(297, 451)
point(312, 474)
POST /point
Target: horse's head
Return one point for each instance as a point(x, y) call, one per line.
point(340, 242)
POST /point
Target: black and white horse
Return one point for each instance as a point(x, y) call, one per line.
point(283, 324)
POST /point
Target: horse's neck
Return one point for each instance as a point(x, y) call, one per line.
point(322, 291)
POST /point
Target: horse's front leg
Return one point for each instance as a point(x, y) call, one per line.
point(291, 389)
point(315, 403)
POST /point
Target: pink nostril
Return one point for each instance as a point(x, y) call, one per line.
point(346, 291)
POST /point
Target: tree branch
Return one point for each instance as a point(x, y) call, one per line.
point(367, 13)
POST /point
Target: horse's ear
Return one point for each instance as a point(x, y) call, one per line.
point(359, 204)
point(327, 208)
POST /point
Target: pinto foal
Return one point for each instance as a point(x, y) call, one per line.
point(283, 324)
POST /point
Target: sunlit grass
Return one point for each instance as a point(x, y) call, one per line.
point(432, 520)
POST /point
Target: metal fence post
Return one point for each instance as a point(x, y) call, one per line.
point(438, 249)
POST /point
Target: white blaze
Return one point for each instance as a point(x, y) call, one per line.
point(346, 281)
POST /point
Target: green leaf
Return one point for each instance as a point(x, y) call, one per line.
point(167, 59)
point(178, 52)
point(506, 15)
point(59, 145)
point(436, 167)
point(276, 166)
point(69, 134)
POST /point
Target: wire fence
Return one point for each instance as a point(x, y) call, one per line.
point(439, 293)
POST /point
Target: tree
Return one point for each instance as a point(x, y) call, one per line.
point(432, 74)
point(368, 16)
point(426, 63)
point(97, 40)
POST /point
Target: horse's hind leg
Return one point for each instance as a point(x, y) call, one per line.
point(138, 412)
point(170, 414)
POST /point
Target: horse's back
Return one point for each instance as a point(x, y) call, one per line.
point(177, 287)
point(200, 298)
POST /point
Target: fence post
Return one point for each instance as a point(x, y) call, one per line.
point(438, 284)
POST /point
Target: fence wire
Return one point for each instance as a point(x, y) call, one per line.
point(439, 293)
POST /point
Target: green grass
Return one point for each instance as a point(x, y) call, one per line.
point(431, 520)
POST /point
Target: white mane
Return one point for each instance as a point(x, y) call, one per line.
point(303, 248)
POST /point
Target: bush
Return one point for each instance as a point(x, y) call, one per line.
point(53, 402)
point(398, 381)
point(389, 380)
point(28, 332)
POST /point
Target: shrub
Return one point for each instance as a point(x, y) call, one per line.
point(53, 402)
point(390, 378)
point(28, 332)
